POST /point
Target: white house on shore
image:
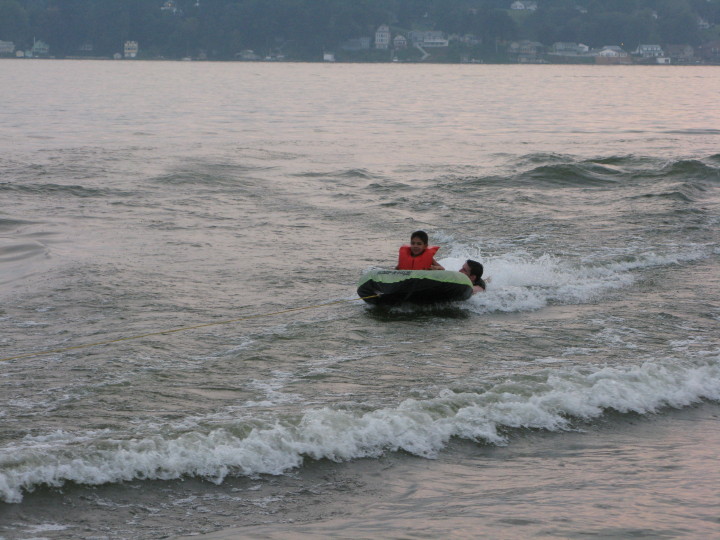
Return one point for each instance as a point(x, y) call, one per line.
point(429, 38)
point(523, 6)
point(562, 48)
point(435, 39)
point(382, 37)
point(611, 51)
point(39, 49)
point(131, 49)
point(649, 51)
point(7, 47)
point(612, 54)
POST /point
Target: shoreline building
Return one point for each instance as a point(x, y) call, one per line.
point(131, 49)
point(7, 47)
point(382, 37)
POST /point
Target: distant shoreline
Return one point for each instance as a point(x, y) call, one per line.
point(346, 62)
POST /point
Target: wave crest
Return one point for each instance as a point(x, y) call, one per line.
point(552, 400)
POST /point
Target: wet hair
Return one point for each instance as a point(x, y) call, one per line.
point(422, 235)
point(477, 270)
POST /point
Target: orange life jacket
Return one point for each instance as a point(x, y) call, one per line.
point(422, 262)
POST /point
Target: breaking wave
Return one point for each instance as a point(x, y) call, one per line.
point(552, 400)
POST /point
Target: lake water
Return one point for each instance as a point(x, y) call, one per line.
point(236, 205)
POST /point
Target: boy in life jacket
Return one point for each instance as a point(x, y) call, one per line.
point(418, 255)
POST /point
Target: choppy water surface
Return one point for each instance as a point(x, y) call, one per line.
point(142, 197)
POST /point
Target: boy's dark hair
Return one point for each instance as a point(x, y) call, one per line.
point(422, 235)
point(475, 268)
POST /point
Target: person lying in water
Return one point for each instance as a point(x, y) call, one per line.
point(418, 255)
point(474, 270)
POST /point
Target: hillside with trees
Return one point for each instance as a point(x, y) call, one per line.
point(304, 29)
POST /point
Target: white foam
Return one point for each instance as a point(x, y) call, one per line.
point(549, 400)
point(524, 282)
point(47, 527)
point(30, 324)
point(273, 390)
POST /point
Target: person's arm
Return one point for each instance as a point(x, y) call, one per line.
point(436, 265)
point(480, 285)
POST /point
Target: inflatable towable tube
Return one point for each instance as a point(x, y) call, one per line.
point(416, 286)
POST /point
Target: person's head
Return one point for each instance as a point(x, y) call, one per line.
point(418, 242)
point(472, 269)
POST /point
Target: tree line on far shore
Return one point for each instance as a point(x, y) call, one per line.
point(303, 29)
